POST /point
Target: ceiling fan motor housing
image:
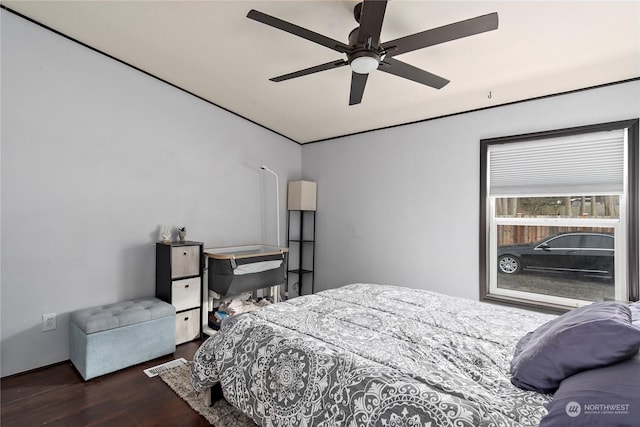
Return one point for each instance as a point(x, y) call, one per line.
point(364, 59)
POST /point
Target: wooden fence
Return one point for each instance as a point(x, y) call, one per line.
point(519, 234)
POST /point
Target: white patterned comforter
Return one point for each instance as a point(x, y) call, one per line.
point(372, 355)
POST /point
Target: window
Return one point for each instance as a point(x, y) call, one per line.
point(559, 217)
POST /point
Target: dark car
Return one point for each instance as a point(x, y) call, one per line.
point(576, 252)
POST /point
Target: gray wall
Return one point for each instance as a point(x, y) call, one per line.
point(95, 158)
point(400, 206)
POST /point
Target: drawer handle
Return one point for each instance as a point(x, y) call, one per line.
point(186, 286)
point(184, 253)
point(186, 319)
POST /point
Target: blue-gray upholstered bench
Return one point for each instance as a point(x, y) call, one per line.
point(111, 337)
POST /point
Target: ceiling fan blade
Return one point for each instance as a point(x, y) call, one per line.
point(298, 31)
point(402, 69)
point(457, 30)
point(358, 82)
point(371, 19)
point(310, 70)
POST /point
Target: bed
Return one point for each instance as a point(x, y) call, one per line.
point(368, 355)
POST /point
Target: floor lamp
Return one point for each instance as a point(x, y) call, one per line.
point(275, 294)
point(277, 200)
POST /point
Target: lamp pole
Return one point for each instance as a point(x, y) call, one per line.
point(277, 200)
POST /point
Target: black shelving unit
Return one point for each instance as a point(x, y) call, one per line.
point(179, 268)
point(301, 248)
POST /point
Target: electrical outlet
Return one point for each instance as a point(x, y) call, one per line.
point(49, 322)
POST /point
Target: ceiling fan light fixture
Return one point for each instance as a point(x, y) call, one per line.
point(363, 64)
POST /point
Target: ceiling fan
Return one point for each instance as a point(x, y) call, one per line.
point(365, 53)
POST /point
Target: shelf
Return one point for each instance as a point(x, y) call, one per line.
point(301, 235)
point(179, 281)
point(209, 331)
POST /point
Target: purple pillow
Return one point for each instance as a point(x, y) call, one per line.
point(603, 397)
point(588, 337)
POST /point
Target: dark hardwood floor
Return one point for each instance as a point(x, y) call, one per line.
point(58, 396)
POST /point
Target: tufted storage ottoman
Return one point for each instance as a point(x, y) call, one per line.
point(111, 337)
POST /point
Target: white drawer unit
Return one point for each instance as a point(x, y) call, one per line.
point(185, 293)
point(179, 267)
point(188, 325)
point(185, 261)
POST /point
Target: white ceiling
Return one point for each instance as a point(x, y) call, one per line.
point(211, 49)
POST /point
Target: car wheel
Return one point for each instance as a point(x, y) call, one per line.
point(509, 264)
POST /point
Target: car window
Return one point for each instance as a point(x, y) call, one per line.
point(598, 241)
point(570, 241)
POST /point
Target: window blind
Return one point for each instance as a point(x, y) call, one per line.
point(585, 164)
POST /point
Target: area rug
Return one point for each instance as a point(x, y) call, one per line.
point(221, 414)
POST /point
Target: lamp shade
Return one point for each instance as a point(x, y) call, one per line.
point(302, 196)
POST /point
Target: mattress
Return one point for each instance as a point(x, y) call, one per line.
point(373, 355)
